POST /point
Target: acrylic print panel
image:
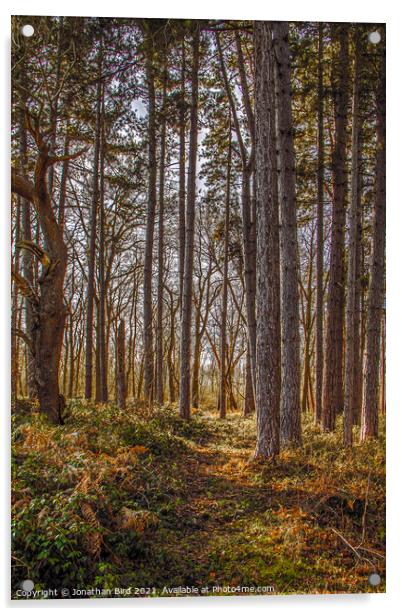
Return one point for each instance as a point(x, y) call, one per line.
point(198, 352)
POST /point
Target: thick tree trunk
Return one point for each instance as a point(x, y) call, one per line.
point(185, 341)
point(333, 368)
point(290, 391)
point(369, 426)
point(49, 336)
point(49, 310)
point(353, 250)
point(149, 238)
point(268, 376)
point(319, 358)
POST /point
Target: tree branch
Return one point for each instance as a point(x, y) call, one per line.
point(22, 186)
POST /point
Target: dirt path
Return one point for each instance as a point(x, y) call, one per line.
point(219, 495)
point(241, 523)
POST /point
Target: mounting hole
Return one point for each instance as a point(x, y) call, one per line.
point(27, 30)
point(374, 37)
point(374, 579)
point(27, 585)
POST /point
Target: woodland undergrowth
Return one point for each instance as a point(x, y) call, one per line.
point(140, 498)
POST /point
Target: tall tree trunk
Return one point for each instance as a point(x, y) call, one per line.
point(369, 426)
point(182, 171)
point(89, 337)
point(121, 366)
point(149, 238)
point(185, 341)
point(319, 359)
point(103, 363)
point(290, 391)
point(222, 386)
point(159, 325)
point(353, 249)
point(333, 368)
point(268, 374)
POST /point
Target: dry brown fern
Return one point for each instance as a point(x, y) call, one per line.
point(138, 521)
point(93, 540)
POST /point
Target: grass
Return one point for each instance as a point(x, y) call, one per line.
point(142, 499)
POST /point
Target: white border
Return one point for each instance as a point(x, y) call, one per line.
point(302, 10)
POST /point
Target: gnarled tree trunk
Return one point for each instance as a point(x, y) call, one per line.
point(48, 306)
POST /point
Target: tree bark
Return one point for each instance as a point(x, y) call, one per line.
point(182, 171)
point(103, 360)
point(333, 368)
point(353, 250)
point(159, 325)
point(222, 387)
point(369, 426)
point(121, 366)
point(268, 377)
point(89, 338)
point(290, 352)
point(249, 405)
point(149, 238)
point(185, 341)
point(320, 234)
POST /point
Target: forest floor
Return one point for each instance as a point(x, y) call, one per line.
point(140, 499)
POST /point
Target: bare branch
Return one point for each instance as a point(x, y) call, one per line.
point(21, 334)
point(25, 288)
point(37, 251)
